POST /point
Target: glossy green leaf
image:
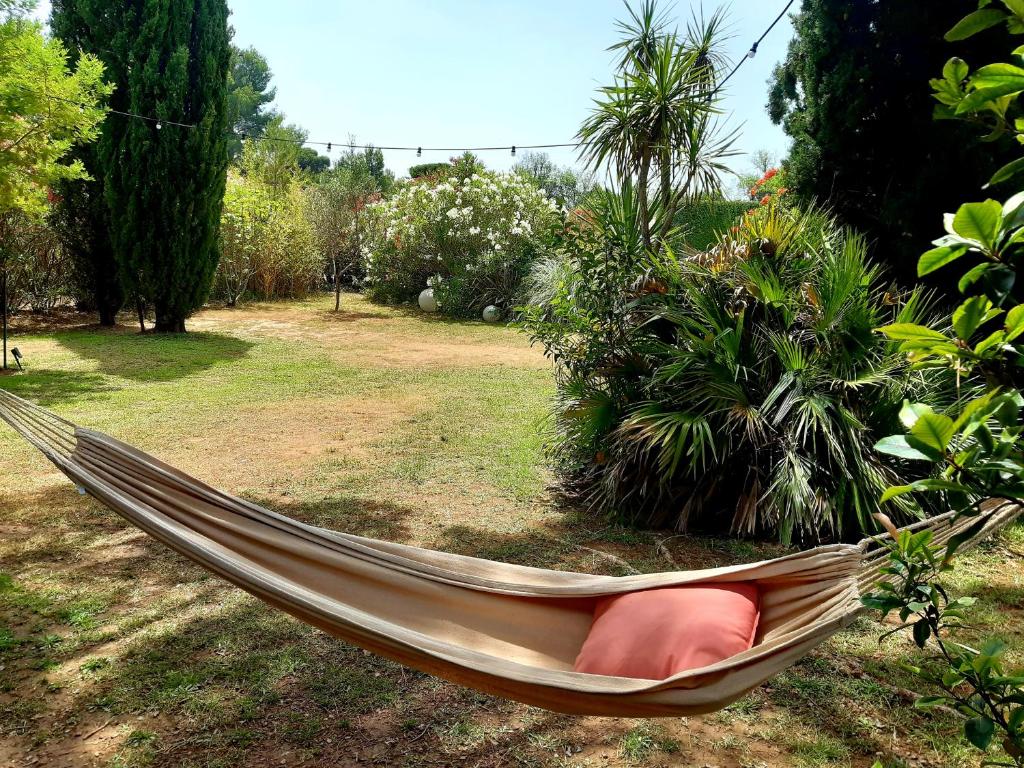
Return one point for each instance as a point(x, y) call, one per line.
point(1015, 205)
point(911, 332)
point(994, 341)
point(974, 275)
point(934, 430)
point(1015, 318)
point(1008, 171)
point(896, 490)
point(972, 314)
point(979, 221)
point(955, 70)
point(979, 731)
point(911, 412)
point(939, 257)
point(976, 22)
point(897, 445)
point(973, 411)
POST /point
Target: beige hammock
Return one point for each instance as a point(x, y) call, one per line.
point(507, 630)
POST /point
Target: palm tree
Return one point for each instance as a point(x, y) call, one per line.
point(657, 125)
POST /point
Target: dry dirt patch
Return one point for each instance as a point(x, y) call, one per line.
point(377, 336)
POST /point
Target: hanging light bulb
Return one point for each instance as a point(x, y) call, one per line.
point(328, 147)
point(419, 151)
point(752, 52)
point(159, 125)
point(513, 150)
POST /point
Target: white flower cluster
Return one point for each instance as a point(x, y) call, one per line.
point(466, 228)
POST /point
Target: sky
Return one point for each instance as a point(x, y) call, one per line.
point(454, 73)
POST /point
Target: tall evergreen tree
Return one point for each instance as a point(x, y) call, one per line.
point(249, 96)
point(81, 221)
point(853, 94)
point(81, 217)
point(163, 182)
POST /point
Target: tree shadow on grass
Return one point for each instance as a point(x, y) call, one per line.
point(413, 312)
point(580, 542)
point(374, 311)
point(153, 357)
point(329, 316)
point(81, 541)
point(347, 514)
point(47, 387)
point(247, 685)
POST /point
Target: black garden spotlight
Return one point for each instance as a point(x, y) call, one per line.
point(16, 354)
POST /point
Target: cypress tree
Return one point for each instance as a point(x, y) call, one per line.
point(163, 183)
point(853, 94)
point(81, 221)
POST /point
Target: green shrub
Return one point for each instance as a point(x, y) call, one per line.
point(741, 390)
point(267, 245)
point(472, 239)
point(429, 169)
point(37, 266)
point(705, 221)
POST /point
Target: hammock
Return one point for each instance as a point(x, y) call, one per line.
point(507, 630)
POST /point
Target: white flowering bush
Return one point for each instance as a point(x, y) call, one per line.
point(471, 239)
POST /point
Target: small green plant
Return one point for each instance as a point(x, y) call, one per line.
point(140, 738)
point(94, 665)
point(974, 682)
point(7, 639)
point(637, 744)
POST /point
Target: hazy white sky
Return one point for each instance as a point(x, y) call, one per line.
point(459, 73)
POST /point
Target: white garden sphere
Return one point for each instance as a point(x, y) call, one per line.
point(492, 314)
point(427, 301)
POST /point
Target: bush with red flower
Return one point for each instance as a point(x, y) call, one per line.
point(771, 185)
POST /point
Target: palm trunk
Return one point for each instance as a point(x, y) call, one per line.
point(645, 215)
point(673, 203)
point(667, 208)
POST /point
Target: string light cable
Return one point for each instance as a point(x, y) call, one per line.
point(752, 52)
point(419, 150)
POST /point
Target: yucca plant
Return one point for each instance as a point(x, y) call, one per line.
point(741, 393)
point(657, 124)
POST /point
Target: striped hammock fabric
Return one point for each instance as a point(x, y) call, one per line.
point(508, 630)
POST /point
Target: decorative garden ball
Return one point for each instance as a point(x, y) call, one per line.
point(492, 314)
point(427, 301)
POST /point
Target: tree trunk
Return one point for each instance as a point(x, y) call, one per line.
point(108, 316)
point(3, 311)
point(140, 308)
point(165, 324)
point(337, 286)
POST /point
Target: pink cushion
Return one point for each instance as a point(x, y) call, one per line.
point(658, 633)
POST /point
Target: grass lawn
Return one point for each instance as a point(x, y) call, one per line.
point(384, 422)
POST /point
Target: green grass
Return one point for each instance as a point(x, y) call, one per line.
point(350, 422)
